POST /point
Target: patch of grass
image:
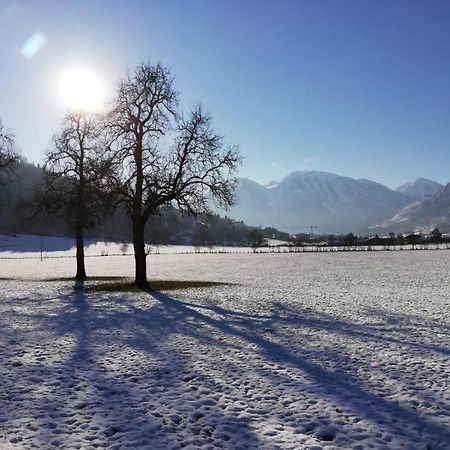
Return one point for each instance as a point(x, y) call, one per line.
point(117, 285)
point(121, 284)
point(127, 285)
point(99, 278)
point(163, 285)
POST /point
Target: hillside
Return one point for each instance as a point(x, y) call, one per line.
point(423, 214)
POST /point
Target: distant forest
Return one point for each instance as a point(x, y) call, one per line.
point(19, 214)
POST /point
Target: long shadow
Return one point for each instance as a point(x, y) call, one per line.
point(410, 321)
point(369, 332)
point(283, 315)
point(118, 404)
point(101, 392)
point(341, 387)
point(112, 400)
point(75, 395)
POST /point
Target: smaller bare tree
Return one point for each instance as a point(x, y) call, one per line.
point(75, 169)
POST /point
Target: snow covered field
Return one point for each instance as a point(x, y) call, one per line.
point(30, 246)
point(300, 351)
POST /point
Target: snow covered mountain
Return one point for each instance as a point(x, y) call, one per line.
point(420, 188)
point(331, 202)
point(423, 214)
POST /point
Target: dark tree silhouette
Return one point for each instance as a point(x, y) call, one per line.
point(74, 174)
point(256, 237)
point(350, 239)
point(436, 236)
point(163, 158)
point(9, 154)
point(412, 239)
point(200, 235)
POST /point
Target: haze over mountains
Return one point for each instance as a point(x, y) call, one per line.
point(337, 204)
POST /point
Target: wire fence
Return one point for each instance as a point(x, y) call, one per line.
point(248, 250)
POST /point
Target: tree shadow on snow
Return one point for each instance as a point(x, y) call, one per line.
point(94, 397)
point(347, 390)
point(128, 375)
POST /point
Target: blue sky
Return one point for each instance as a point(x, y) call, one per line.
point(359, 88)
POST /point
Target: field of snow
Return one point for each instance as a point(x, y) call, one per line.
point(30, 246)
point(298, 351)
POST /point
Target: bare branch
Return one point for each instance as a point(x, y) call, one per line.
point(9, 154)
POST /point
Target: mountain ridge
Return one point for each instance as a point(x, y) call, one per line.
point(420, 188)
point(331, 202)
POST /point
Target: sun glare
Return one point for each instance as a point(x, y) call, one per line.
point(81, 89)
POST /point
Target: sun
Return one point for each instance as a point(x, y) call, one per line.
point(81, 89)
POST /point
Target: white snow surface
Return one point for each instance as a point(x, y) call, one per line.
point(300, 351)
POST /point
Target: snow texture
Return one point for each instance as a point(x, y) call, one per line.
point(301, 351)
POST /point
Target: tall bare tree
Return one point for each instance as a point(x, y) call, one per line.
point(75, 169)
point(163, 158)
point(9, 154)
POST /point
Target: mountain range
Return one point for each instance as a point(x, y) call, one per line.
point(337, 204)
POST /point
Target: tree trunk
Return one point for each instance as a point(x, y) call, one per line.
point(81, 270)
point(140, 257)
point(80, 219)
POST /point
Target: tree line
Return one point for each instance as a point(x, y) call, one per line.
point(350, 239)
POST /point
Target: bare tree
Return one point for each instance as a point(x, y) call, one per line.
point(162, 158)
point(74, 186)
point(9, 155)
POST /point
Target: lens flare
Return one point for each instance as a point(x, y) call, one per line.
point(33, 44)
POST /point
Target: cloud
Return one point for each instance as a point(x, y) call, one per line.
point(308, 160)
